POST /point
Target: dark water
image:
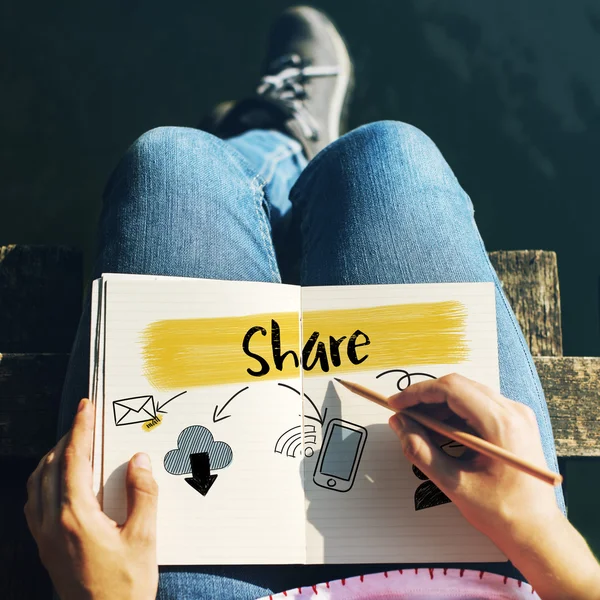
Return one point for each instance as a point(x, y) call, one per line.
point(509, 91)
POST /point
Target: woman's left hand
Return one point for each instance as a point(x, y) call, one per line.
point(86, 553)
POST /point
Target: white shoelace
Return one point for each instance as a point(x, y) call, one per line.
point(287, 89)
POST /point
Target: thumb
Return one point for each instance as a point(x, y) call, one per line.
point(421, 451)
point(142, 501)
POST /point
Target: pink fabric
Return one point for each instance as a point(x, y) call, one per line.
point(422, 584)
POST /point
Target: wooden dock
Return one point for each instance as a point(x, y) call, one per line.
point(40, 303)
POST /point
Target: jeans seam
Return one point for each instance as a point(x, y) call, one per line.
point(258, 186)
point(273, 159)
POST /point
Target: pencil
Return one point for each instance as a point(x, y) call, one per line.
point(466, 439)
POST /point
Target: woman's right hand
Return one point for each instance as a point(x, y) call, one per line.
point(492, 496)
point(516, 511)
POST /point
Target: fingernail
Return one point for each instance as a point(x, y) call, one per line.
point(142, 461)
point(82, 404)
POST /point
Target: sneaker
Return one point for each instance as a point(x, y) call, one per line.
point(305, 89)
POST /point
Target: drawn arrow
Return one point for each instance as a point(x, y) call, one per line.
point(321, 419)
point(217, 412)
point(159, 408)
point(201, 479)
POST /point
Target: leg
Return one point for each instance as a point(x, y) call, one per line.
point(182, 202)
point(278, 160)
point(185, 203)
point(383, 206)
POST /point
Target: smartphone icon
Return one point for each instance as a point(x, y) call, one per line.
point(342, 448)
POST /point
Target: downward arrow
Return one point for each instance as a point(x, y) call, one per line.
point(201, 479)
point(217, 412)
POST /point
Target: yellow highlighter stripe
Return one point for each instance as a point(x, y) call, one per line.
point(186, 353)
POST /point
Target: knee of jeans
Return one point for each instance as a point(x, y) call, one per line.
point(382, 153)
point(395, 140)
point(166, 155)
point(160, 144)
point(399, 148)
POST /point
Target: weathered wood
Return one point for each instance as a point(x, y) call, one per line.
point(530, 282)
point(30, 388)
point(21, 571)
point(40, 298)
point(572, 388)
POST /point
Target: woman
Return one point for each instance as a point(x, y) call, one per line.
point(273, 192)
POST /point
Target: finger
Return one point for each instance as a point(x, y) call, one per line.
point(76, 465)
point(33, 506)
point(422, 452)
point(50, 483)
point(142, 501)
point(468, 401)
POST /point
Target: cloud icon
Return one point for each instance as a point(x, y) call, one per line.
point(194, 440)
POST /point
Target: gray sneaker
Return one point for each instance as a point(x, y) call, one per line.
point(305, 88)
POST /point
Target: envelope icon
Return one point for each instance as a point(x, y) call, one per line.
point(129, 411)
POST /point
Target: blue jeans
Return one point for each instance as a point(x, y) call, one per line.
point(379, 205)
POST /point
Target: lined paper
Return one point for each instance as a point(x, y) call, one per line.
point(252, 514)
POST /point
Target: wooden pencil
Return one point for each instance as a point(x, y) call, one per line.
point(467, 439)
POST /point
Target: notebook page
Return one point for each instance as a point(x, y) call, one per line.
point(206, 403)
point(361, 493)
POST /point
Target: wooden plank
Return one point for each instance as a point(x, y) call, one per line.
point(530, 281)
point(572, 388)
point(21, 572)
point(40, 298)
point(30, 389)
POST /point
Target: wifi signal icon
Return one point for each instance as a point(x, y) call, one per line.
point(290, 441)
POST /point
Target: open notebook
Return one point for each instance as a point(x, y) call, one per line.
point(257, 461)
